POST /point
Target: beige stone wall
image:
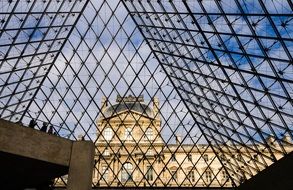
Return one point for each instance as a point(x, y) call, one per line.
point(112, 155)
point(182, 165)
point(193, 165)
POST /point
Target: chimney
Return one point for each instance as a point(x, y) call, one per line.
point(270, 140)
point(287, 139)
point(178, 139)
point(104, 104)
point(156, 106)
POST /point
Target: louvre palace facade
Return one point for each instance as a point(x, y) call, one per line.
point(211, 85)
point(137, 125)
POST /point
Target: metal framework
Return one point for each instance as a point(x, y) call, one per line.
point(223, 71)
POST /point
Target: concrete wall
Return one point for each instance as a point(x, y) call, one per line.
point(81, 166)
point(34, 158)
point(35, 144)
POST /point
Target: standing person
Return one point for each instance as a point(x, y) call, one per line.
point(51, 129)
point(32, 124)
point(44, 127)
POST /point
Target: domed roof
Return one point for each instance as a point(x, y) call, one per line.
point(129, 106)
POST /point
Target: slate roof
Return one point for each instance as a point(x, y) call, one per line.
point(129, 106)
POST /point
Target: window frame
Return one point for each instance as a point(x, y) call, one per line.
point(149, 173)
point(174, 175)
point(105, 172)
point(126, 172)
point(108, 133)
point(191, 175)
point(128, 134)
point(205, 157)
point(173, 158)
point(189, 157)
point(208, 176)
point(225, 176)
point(149, 134)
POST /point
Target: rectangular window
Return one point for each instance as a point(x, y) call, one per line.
point(106, 152)
point(223, 157)
point(149, 134)
point(149, 174)
point(174, 175)
point(239, 157)
point(128, 134)
point(208, 175)
point(225, 176)
point(126, 173)
point(105, 172)
point(149, 152)
point(160, 158)
point(173, 158)
point(191, 176)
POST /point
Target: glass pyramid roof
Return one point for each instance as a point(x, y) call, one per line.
point(221, 70)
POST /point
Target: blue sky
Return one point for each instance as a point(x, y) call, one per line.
point(111, 64)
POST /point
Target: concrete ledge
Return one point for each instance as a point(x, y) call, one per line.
point(34, 144)
point(81, 166)
point(29, 158)
point(276, 176)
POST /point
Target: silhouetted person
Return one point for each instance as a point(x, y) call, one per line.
point(81, 137)
point(20, 123)
point(32, 124)
point(51, 129)
point(44, 127)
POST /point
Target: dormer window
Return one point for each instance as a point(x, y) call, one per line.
point(108, 134)
point(189, 157)
point(206, 157)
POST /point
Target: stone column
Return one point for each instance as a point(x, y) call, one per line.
point(81, 166)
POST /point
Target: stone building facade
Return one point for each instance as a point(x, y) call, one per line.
point(145, 160)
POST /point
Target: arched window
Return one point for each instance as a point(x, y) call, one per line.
point(128, 134)
point(108, 134)
point(126, 173)
point(149, 134)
